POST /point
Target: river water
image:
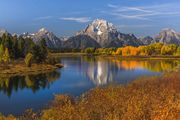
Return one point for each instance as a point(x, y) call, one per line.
point(79, 75)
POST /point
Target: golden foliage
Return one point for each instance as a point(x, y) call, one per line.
point(130, 51)
point(148, 98)
point(10, 117)
point(153, 65)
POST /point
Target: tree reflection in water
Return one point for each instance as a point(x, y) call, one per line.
point(32, 82)
point(151, 65)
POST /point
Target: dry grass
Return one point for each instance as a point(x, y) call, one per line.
point(22, 69)
point(148, 98)
point(153, 98)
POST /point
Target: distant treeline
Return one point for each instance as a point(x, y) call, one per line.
point(149, 50)
point(65, 50)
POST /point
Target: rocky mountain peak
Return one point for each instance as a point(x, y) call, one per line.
point(100, 25)
point(100, 30)
point(168, 30)
point(51, 40)
point(168, 36)
point(43, 31)
point(146, 40)
point(3, 31)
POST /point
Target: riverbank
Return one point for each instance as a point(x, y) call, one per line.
point(145, 98)
point(116, 56)
point(19, 68)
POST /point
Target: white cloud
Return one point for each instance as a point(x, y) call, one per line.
point(135, 26)
point(43, 18)
point(112, 6)
point(144, 12)
point(77, 19)
point(139, 17)
point(129, 9)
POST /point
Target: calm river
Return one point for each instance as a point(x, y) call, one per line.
point(79, 75)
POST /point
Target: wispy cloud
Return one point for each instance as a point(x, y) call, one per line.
point(143, 12)
point(76, 19)
point(112, 6)
point(135, 26)
point(130, 9)
point(43, 18)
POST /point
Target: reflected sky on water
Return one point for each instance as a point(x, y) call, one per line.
point(79, 75)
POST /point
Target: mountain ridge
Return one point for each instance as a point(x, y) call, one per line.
point(100, 33)
point(168, 36)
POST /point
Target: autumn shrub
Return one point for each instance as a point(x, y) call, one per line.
point(168, 49)
point(29, 115)
point(148, 98)
point(119, 51)
point(178, 51)
point(10, 117)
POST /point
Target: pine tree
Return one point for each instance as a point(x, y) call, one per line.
point(1, 52)
point(29, 45)
point(36, 51)
point(43, 47)
point(21, 47)
point(28, 59)
point(0, 40)
point(6, 56)
point(15, 47)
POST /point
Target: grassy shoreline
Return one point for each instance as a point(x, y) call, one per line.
point(21, 69)
point(115, 56)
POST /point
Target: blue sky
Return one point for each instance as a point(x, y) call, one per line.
point(66, 17)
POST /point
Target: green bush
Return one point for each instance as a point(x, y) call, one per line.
point(89, 50)
point(28, 59)
point(52, 60)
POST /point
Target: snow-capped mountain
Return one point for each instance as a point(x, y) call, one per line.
point(2, 31)
point(101, 31)
point(168, 36)
point(26, 35)
point(64, 38)
point(51, 40)
point(107, 35)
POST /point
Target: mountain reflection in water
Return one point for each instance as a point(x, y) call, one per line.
point(101, 73)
